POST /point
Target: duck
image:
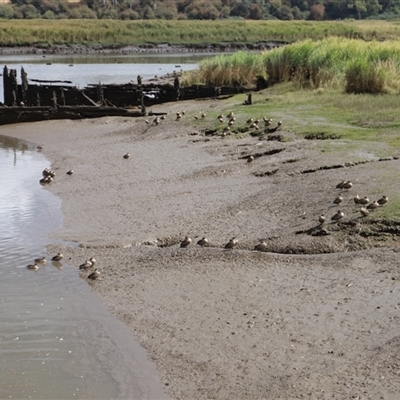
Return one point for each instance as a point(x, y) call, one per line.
point(340, 185)
point(221, 116)
point(254, 126)
point(178, 116)
point(262, 246)
point(94, 275)
point(250, 159)
point(364, 212)
point(356, 199)
point(92, 260)
point(57, 257)
point(321, 219)
point(267, 121)
point(338, 200)
point(33, 267)
point(221, 120)
point(203, 115)
point(87, 264)
point(364, 200)
point(40, 260)
point(203, 241)
point(373, 205)
point(230, 115)
point(70, 172)
point(250, 120)
point(339, 215)
point(127, 155)
point(231, 244)
point(185, 242)
point(40, 147)
point(347, 185)
point(383, 200)
point(272, 130)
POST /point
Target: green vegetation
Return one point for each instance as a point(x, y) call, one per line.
point(353, 65)
point(288, 10)
point(111, 32)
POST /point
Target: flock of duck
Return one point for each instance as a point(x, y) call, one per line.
point(229, 119)
point(203, 242)
point(88, 265)
point(366, 205)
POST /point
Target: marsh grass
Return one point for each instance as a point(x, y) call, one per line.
point(115, 32)
point(354, 66)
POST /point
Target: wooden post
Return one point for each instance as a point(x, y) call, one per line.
point(24, 87)
point(62, 97)
point(54, 100)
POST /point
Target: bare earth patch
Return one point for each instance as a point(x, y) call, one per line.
point(315, 315)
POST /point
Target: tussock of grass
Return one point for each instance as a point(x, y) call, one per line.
point(354, 66)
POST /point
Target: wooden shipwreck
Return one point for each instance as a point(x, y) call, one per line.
point(36, 100)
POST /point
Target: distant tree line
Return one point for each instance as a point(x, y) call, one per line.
point(202, 9)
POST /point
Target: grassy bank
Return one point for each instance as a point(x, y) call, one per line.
point(355, 66)
point(112, 32)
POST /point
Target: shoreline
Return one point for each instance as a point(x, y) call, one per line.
point(139, 48)
point(239, 324)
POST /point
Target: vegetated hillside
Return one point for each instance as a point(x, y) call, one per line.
point(200, 9)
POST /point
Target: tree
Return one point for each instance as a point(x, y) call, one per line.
point(255, 12)
point(285, 13)
point(317, 12)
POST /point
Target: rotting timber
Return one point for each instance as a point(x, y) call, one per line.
point(36, 100)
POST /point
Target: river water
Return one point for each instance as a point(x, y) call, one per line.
point(82, 70)
point(57, 341)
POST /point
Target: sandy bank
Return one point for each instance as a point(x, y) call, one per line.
point(227, 324)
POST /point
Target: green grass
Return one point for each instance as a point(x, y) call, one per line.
point(114, 32)
point(354, 66)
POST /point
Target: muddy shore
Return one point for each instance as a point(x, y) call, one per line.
point(312, 316)
point(140, 48)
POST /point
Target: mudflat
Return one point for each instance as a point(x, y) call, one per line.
point(314, 313)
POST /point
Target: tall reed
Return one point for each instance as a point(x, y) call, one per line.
point(353, 65)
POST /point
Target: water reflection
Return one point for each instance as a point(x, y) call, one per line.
point(57, 340)
point(84, 70)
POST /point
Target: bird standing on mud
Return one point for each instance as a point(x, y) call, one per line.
point(364, 212)
point(185, 242)
point(57, 257)
point(383, 200)
point(94, 275)
point(347, 185)
point(338, 200)
point(339, 215)
point(373, 205)
point(262, 246)
point(231, 244)
point(87, 264)
point(364, 200)
point(203, 242)
point(321, 219)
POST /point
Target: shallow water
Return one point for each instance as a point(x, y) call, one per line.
point(57, 341)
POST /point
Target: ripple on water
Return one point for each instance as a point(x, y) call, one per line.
point(57, 340)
